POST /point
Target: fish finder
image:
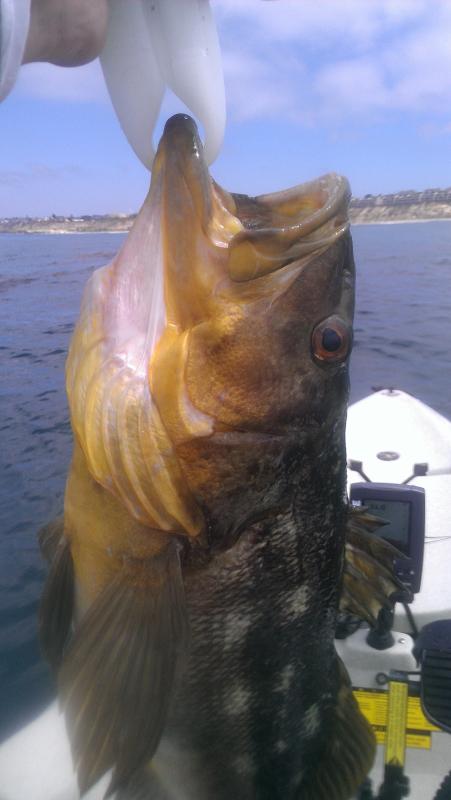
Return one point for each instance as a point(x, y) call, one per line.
point(402, 508)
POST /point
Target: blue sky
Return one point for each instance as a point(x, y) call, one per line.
point(362, 87)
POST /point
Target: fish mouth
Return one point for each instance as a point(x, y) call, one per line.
point(253, 236)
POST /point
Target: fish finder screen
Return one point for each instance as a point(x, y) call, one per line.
point(397, 514)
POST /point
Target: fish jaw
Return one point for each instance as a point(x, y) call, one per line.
point(196, 225)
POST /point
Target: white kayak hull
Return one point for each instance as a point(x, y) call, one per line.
point(391, 421)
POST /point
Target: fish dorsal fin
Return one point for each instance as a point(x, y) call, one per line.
point(369, 581)
point(119, 670)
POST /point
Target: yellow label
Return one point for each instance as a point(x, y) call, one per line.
point(373, 704)
point(380, 736)
point(395, 743)
point(414, 740)
point(420, 741)
point(415, 717)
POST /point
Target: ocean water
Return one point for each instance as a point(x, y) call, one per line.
point(402, 338)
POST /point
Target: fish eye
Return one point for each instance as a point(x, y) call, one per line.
point(331, 340)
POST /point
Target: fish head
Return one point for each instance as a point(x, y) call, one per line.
point(259, 297)
point(259, 290)
point(213, 350)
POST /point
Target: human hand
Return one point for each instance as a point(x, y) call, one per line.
point(152, 45)
point(144, 47)
point(66, 32)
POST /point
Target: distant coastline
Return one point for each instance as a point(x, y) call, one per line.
point(95, 223)
point(406, 206)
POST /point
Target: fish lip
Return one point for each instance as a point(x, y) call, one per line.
point(247, 237)
point(283, 227)
point(182, 129)
point(180, 160)
point(290, 214)
point(180, 149)
point(284, 218)
point(332, 192)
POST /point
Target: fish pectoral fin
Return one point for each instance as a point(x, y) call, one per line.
point(50, 536)
point(119, 671)
point(57, 601)
point(369, 580)
point(348, 754)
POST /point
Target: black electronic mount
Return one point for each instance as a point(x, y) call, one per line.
point(402, 508)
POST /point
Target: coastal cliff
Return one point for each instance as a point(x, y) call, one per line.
point(96, 223)
point(406, 206)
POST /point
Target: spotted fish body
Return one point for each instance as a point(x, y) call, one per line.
point(255, 704)
point(207, 494)
point(258, 702)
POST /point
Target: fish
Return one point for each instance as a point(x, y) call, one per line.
point(206, 544)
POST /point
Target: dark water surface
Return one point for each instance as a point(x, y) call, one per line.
point(402, 338)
